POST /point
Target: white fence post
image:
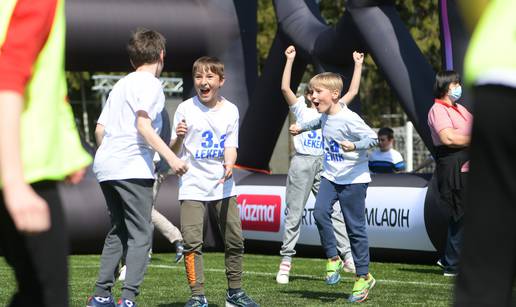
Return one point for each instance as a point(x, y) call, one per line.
point(409, 147)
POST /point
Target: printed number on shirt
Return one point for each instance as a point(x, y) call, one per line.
point(211, 149)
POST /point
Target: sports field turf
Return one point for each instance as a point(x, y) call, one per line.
point(165, 283)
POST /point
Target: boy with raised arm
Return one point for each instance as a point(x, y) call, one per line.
point(304, 175)
point(345, 176)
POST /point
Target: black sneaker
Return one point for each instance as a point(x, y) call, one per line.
point(240, 299)
point(197, 301)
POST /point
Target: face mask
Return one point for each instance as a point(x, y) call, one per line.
point(455, 93)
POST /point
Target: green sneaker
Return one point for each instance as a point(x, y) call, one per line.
point(333, 268)
point(361, 289)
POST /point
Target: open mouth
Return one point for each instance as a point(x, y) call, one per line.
point(205, 91)
point(316, 104)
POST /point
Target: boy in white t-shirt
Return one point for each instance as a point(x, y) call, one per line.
point(206, 136)
point(386, 159)
point(128, 133)
point(345, 177)
point(304, 173)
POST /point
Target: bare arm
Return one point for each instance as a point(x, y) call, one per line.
point(28, 210)
point(290, 96)
point(181, 131)
point(99, 133)
point(144, 127)
point(451, 138)
point(230, 156)
point(354, 86)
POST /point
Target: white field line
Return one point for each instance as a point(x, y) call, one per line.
point(181, 267)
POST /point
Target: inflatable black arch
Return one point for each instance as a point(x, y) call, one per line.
point(96, 38)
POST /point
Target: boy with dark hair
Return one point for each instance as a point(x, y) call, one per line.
point(206, 135)
point(386, 159)
point(345, 176)
point(128, 133)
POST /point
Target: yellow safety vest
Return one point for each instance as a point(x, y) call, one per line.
point(50, 144)
point(492, 47)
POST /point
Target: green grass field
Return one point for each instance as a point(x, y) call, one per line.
point(165, 283)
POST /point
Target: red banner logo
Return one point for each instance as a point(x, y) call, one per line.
point(260, 212)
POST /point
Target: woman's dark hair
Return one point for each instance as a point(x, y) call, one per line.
point(443, 79)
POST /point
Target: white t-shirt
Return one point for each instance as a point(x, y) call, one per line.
point(345, 167)
point(389, 161)
point(209, 132)
point(309, 142)
point(124, 153)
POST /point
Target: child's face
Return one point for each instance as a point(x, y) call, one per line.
point(207, 85)
point(384, 142)
point(323, 98)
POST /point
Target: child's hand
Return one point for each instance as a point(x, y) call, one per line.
point(358, 57)
point(294, 129)
point(28, 210)
point(181, 129)
point(228, 172)
point(290, 52)
point(178, 166)
point(347, 146)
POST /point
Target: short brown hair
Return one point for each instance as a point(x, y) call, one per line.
point(208, 63)
point(328, 80)
point(145, 46)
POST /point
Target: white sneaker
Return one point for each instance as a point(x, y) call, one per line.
point(349, 266)
point(283, 274)
point(121, 273)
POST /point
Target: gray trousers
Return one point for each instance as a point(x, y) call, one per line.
point(129, 204)
point(304, 175)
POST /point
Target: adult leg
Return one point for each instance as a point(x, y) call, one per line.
point(301, 174)
point(136, 195)
point(488, 260)
point(228, 217)
point(39, 261)
point(352, 202)
point(192, 220)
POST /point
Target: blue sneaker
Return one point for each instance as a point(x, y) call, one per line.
point(240, 299)
point(99, 301)
point(126, 303)
point(197, 301)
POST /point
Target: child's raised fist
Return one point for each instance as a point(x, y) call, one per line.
point(290, 52)
point(358, 57)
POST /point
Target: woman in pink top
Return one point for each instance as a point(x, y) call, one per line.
point(450, 126)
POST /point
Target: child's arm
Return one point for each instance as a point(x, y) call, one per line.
point(288, 94)
point(230, 157)
point(181, 131)
point(144, 127)
point(99, 133)
point(355, 80)
point(300, 127)
point(27, 209)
